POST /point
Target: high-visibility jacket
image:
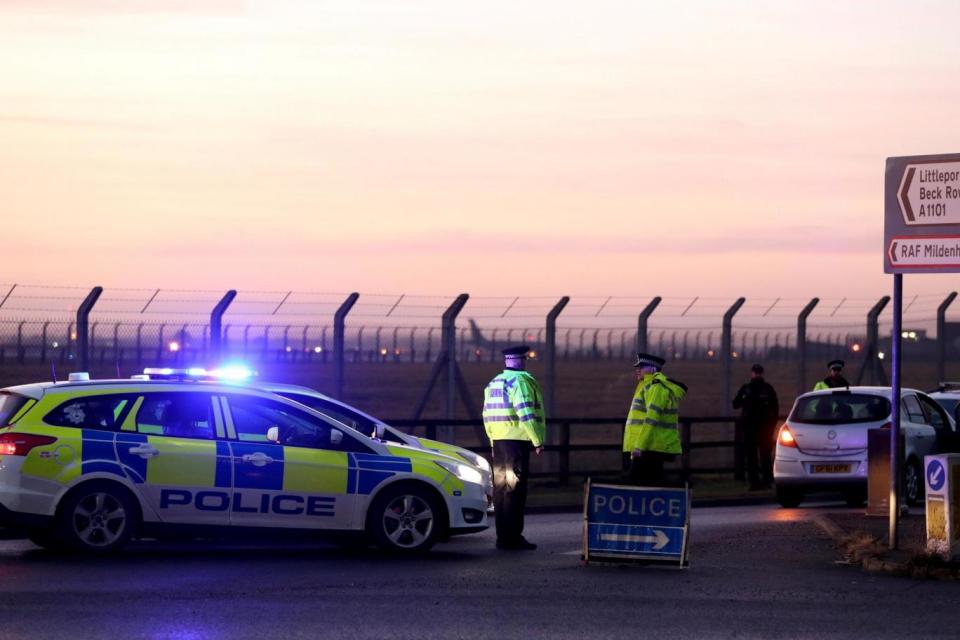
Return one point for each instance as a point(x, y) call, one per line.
point(513, 408)
point(652, 424)
point(831, 383)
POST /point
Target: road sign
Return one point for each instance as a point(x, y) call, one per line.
point(911, 252)
point(635, 524)
point(930, 193)
point(936, 474)
point(922, 214)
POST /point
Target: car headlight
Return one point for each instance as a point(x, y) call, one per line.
point(477, 460)
point(463, 471)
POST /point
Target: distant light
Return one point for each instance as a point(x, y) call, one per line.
point(476, 352)
point(383, 351)
point(54, 344)
point(288, 349)
point(396, 352)
point(533, 354)
point(196, 371)
point(318, 349)
point(881, 355)
point(73, 335)
point(174, 346)
point(734, 354)
point(711, 353)
point(855, 347)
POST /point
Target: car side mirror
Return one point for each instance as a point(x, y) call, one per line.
point(273, 434)
point(336, 437)
point(379, 432)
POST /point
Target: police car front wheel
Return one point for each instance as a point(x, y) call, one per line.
point(97, 518)
point(406, 519)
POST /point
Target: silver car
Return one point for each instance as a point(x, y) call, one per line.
point(823, 444)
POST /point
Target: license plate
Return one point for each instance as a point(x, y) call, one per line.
point(830, 468)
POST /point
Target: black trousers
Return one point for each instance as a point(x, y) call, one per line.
point(758, 447)
point(511, 467)
point(647, 470)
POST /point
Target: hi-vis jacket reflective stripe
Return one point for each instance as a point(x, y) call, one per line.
point(652, 421)
point(513, 408)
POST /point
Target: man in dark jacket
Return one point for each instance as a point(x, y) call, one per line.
point(760, 409)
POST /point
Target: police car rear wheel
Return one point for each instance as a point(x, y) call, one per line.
point(97, 519)
point(405, 520)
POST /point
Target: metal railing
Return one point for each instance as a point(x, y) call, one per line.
point(560, 430)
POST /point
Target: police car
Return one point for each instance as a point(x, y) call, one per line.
point(367, 424)
point(91, 464)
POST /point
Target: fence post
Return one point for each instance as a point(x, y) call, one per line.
point(726, 351)
point(83, 326)
point(942, 336)
point(685, 440)
point(448, 329)
point(642, 323)
point(339, 328)
point(550, 359)
point(871, 366)
point(20, 352)
point(43, 349)
point(216, 324)
point(802, 343)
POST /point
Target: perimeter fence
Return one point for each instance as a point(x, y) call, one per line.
point(160, 327)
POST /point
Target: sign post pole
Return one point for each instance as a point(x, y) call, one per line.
point(895, 403)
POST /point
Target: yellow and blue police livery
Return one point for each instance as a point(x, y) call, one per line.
point(367, 424)
point(90, 465)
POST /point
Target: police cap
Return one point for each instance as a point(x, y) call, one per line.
point(519, 351)
point(835, 364)
point(648, 360)
point(757, 368)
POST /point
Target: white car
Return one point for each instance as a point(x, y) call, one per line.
point(947, 396)
point(823, 444)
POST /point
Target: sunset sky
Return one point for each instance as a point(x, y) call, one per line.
point(499, 148)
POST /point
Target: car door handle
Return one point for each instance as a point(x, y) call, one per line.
point(144, 451)
point(257, 459)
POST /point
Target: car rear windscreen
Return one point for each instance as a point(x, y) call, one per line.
point(10, 404)
point(840, 408)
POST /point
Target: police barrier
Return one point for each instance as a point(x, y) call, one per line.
point(647, 525)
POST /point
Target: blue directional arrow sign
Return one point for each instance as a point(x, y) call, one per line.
point(936, 475)
point(636, 523)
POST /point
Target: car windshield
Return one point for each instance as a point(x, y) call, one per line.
point(840, 408)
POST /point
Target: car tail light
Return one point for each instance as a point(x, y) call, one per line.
point(20, 444)
point(785, 438)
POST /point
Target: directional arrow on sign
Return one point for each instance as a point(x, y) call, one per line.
point(659, 539)
point(929, 193)
point(892, 252)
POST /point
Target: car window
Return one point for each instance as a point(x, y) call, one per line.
point(912, 407)
point(840, 408)
point(253, 417)
point(180, 415)
point(949, 405)
point(353, 420)
point(933, 413)
point(105, 412)
point(10, 404)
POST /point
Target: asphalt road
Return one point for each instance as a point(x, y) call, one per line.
point(755, 572)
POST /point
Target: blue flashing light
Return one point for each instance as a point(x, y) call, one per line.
point(233, 373)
